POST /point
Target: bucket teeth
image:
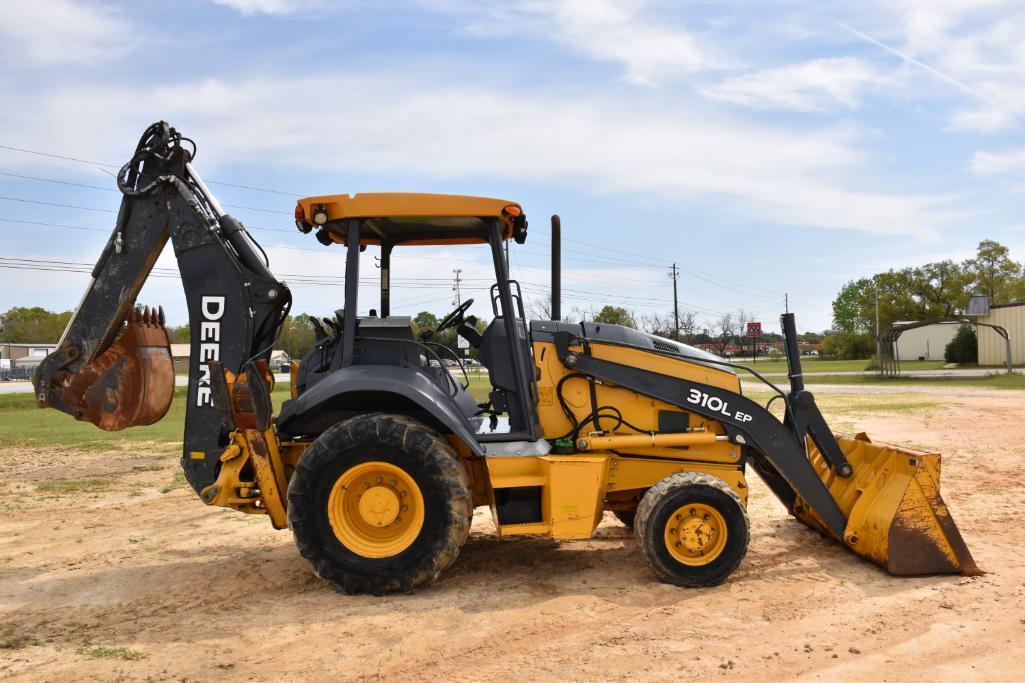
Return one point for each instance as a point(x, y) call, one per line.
point(160, 315)
point(131, 382)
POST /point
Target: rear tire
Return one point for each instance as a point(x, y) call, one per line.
point(693, 529)
point(379, 504)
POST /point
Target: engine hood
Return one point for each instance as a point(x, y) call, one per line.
point(544, 330)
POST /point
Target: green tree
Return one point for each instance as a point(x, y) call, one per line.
point(964, 347)
point(615, 315)
point(424, 320)
point(296, 336)
point(994, 273)
point(935, 289)
point(848, 345)
point(32, 325)
point(181, 334)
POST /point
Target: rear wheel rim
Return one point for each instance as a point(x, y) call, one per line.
point(696, 534)
point(376, 509)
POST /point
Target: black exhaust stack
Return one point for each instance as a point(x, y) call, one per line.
point(803, 415)
point(793, 353)
point(556, 267)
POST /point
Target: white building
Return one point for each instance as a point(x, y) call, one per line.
point(924, 343)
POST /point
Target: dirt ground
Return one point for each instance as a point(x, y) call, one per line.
point(110, 569)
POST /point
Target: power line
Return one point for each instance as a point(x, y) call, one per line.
point(106, 165)
point(57, 156)
point(58, 182)
point(63, 206)
point(591, 256)
point(114, 189)
point(55, 225)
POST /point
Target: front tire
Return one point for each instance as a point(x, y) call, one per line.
point(693, 529)
point(379, 504)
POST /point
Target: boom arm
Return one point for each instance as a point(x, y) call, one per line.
point(112, 360)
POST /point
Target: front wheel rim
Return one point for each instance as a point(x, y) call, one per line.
point(376, 509)
point(696, 534)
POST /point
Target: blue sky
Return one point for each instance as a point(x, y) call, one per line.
point(765, 147)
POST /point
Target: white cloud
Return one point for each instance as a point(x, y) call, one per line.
point(816, 85)
point(612, 146)
point(250, 7)
point(56, 32)
point(1006, 162)
point(651, 47)
point(976, 45)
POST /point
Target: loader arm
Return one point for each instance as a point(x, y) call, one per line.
point(881, 501)
point(779, 451)
point(112, 366)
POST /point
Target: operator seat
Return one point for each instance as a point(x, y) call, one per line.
point(495, 353)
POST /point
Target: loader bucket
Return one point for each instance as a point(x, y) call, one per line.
point(895, 515)
point(131, 383)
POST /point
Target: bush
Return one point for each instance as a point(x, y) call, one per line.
point(964, 347)
point(848, 346)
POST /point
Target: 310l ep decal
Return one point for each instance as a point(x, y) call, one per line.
point(716, 405)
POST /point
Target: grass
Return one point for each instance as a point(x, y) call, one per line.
point(177, 482)
point(88, 485)
point(811, 364)
point(100, 652)
point(22, 423)
point(993, 381)
point(16, 641)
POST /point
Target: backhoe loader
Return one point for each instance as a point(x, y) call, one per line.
point(380, 456)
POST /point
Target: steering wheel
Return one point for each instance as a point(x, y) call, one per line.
point(455, 317)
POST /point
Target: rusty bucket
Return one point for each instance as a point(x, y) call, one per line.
point(132, 382)
point(895, 514)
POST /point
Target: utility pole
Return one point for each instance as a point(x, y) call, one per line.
point(879, 347)
point(674, 275)
point(786, 302)
point(455, 288)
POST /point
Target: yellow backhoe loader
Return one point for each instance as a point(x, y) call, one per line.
point(379, 457)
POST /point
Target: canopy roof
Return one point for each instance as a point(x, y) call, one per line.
point(412, 218)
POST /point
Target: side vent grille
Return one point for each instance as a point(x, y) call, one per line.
point(665, 346)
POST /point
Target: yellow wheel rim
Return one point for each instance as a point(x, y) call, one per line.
point(696, 534)
point(376, 509)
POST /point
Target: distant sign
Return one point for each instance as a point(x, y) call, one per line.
point(462, 343)
point(754, 329)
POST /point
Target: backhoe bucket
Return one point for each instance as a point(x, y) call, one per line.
point(895, 515)
point(131, 383)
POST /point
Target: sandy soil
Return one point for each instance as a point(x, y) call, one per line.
point(111, 578)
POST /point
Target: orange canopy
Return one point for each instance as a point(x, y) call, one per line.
point(412, 218)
